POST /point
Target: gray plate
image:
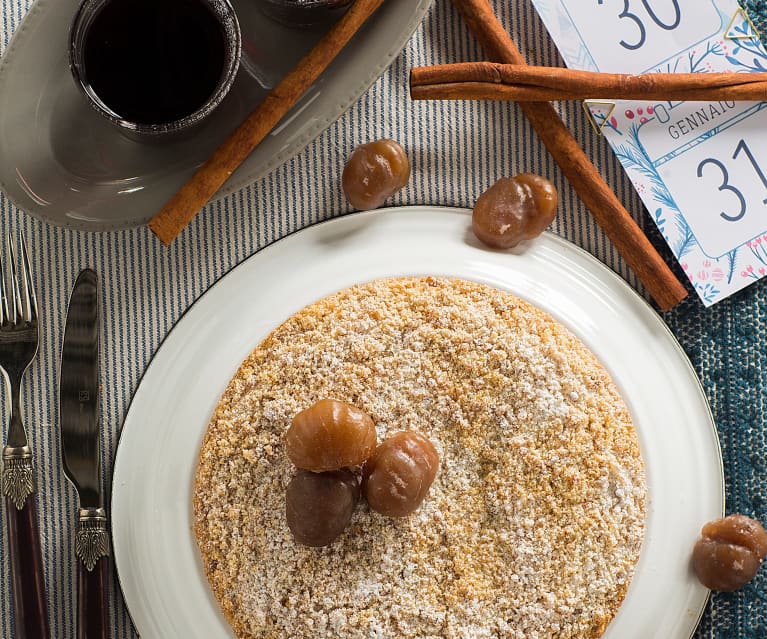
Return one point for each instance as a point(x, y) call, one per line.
point(61, 162)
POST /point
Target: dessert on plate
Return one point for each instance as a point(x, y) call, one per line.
point(533, 525)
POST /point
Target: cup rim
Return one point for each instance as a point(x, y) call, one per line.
point(222, 9)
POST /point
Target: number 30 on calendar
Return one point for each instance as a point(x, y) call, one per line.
point(639, 20)
point(640, 34)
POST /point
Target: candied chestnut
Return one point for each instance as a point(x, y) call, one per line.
point(330, 435)
point(514, 209)
point(318, 506)
point(729, 552)
point(374, 172)
point(397, 477)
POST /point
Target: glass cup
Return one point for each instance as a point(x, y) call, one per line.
point(89, 13)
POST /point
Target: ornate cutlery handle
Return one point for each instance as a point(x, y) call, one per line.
point(27, 578)
point(92, 547)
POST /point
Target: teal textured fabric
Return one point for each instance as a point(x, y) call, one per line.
point(757, 9)
point(726, 344)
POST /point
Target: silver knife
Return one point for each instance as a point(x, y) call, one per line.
point(80, 450)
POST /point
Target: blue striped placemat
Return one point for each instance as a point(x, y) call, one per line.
point(457, 149)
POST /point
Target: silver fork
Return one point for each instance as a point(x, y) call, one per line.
point(19, 337)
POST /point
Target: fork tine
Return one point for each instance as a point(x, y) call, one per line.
point(3, 288)
point(16, 312)
point(30, 299)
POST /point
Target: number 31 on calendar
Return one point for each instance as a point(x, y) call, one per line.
point(640, 35)
point(721, 185)
point(731, 187)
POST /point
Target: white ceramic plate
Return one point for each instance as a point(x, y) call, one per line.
point(63, 163)
point(155, 551)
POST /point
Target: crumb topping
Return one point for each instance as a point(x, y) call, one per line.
point(533, 525)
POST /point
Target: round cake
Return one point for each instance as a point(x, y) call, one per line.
point(535, 520)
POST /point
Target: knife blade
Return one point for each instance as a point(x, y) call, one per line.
point(80, 450)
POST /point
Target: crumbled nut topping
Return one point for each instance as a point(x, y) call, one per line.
point(533, 525)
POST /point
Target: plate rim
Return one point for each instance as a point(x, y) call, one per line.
point(557, 240)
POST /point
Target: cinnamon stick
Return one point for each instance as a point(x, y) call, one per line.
point(193, 195)
point(612, 217)
point(496, 81)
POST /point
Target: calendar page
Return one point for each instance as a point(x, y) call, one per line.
point(699, 167)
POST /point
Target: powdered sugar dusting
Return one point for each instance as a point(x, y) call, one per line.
point(533, 525)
